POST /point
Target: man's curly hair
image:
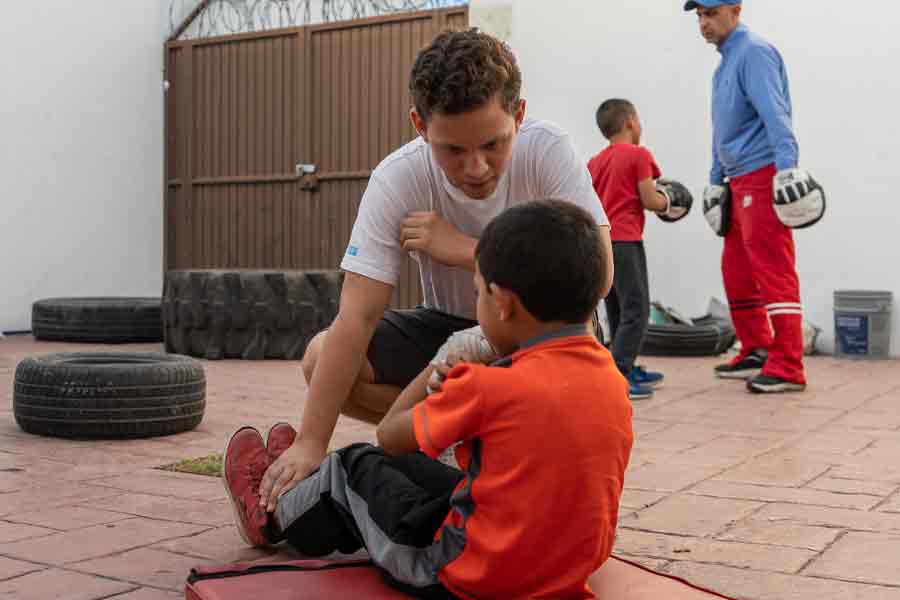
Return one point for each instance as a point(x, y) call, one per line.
point(461, 71)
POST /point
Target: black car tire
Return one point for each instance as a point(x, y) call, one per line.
point(108, 395)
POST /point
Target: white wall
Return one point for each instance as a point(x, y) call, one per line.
point(842, 64)
point(81, 157)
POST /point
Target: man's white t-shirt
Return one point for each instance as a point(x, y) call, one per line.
point(544, 166)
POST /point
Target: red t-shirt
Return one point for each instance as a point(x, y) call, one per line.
point(545, 444)
point(616, 172)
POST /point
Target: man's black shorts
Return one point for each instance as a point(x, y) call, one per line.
point(406, 340)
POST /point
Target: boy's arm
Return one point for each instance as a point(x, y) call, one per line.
point(650, 198)
point(647, 172)
point(396, 432)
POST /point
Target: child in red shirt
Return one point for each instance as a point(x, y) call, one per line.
point(543, 439)
point(624, 176)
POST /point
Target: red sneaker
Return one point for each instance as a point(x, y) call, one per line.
point(243, 465)
point(279, 439)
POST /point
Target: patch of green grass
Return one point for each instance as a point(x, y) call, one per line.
point(210, 465)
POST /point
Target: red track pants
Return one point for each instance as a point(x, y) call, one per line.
point(758, 267)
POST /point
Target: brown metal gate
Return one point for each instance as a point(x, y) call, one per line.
point(245, 112)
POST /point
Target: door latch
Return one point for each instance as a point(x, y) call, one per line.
point(307, 174)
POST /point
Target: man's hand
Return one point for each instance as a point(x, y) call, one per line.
point(430, 233)
point(294, 465)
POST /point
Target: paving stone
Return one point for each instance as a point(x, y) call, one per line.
point(167, 483)
point(667, 476)
point(221, 545)
point(737, 554)
point(100, 540)
point(776, 471)
point(724, 451)
point(892, 505)
point(13, 532)
point(653, 564)
point(685, 411)
point(647, 544)
point(878, 470)
point(845, 444)
point(56, 583)
point(779, 533)
point(10, 568)
point(145, 566)
point(642, 428)
point(761, 493)
point(66, 518)
point(170, 509)
point(843, 518)
point(49, 497)
point(864, 419)
point(749, 418)
point(864, 557)
point(747, 584)
point(853, 486)
point(685, 514)
point(638, 500)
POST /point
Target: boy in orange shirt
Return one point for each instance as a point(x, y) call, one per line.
point(544, 439)
point(625, 177)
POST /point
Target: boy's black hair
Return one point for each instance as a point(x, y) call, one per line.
point(548, 252)
point(612, 116)
point(461, 71)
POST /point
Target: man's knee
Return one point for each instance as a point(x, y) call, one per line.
point(311, 356)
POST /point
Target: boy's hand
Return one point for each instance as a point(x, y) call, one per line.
point(438, 375)
point(428, 232)
point(468, 345)
point(294, 465)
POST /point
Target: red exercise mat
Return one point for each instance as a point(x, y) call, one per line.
point(617, 579)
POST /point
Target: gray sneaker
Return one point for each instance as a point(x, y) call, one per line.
point(766, 384)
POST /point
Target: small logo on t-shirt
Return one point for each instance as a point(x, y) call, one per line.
point(748, 200)
point(352, 251)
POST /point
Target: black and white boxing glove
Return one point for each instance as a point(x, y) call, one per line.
point(678, 200)
point(717, 208)
point(799, 199)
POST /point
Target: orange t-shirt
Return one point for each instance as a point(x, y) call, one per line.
point(545, 445)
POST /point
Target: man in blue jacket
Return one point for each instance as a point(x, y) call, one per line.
point(756, 194)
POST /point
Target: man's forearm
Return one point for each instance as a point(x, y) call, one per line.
point(336, 372)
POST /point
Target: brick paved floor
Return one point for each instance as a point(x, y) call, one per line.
point(769, 498)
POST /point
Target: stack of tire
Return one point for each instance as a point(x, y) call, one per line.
point(247, 314)
point(97, 320)
point(107, 395)
point(707, 336)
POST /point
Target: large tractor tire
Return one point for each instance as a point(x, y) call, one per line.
point(247, 314)
point(97, 320)
point(108, 395)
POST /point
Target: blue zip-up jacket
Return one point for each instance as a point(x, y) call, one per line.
point(751, 108)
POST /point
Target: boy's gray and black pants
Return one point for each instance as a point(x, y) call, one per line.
point(628, 303)
point(392, 506)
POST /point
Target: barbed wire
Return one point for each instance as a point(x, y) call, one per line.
point(225, 17)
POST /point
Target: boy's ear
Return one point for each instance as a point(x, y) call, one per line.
point(507, 302)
